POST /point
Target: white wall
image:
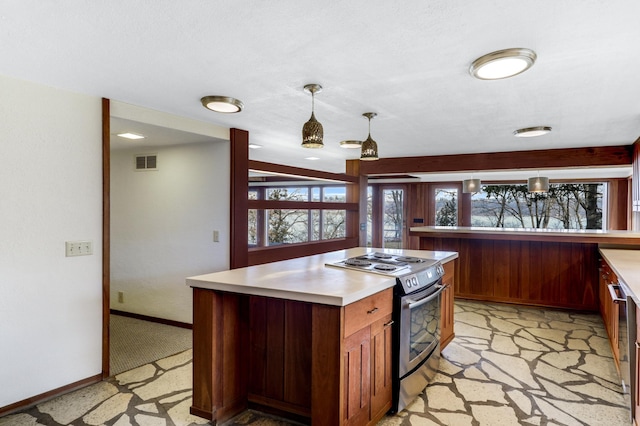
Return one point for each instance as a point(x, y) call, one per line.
point(162, 225)
point(50, 192)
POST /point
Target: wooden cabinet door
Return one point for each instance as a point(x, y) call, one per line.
point(381, 354)
point(357, 377)
point(446, 305)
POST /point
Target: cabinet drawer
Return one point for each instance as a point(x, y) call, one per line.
point(366, 311)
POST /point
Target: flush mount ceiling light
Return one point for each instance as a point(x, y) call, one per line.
point(312, 132)
point(130, 135)
point(224, 104)
point(470, 185)
point(369, 146)
point(502, 63)
point(531, 132)
point(538, 184)
point(350, 144)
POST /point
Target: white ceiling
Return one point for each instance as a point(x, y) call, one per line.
point(408, 61)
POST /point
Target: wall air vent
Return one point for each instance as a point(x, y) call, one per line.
point(146, 162)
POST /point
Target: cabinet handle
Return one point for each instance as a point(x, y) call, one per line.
point(374, 310)
point(391, 322)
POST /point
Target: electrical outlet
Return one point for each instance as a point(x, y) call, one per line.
point(216, 236)
point(78, 248)
point(121, 297)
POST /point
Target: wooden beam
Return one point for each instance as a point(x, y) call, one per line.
point(303, 173)
point(239, 198)
point(540, 159)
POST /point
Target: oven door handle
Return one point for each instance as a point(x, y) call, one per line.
point(415, 303)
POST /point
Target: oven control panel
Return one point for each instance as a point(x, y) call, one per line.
point(421, 279)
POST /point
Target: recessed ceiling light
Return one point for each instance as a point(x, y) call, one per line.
point(503, 63)
point(311, 158)
point(531, 132)
point(223, 104)
point(129, 135)
point(350, 144)
point(254, 146)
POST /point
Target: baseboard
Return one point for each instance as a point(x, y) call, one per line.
point(152, 319)
point(35, 400)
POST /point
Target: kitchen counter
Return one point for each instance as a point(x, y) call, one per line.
point(307, 279)
point(530, 234)
point(626, 265)
point(297, 338)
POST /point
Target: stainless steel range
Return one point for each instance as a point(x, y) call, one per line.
point(416, 314)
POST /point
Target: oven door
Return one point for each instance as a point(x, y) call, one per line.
point(419, 328)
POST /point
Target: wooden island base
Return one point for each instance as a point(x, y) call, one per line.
point(285, 358)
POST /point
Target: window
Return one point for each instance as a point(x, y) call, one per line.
point(392, 218)
point(565, 206)
point(446, 207)
point(275, 226)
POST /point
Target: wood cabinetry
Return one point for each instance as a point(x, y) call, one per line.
point(367, 359)
point(446, 304)
point(609, 309)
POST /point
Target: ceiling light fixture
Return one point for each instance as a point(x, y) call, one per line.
point(130, 135)
point(470, 185)
point(350, 144)
point(312, 130)
point(531, 132)
point(369, 146)
point(502, 63)
point(224, 104)
point(538, 184)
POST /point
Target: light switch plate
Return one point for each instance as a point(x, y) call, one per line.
point(78, 248)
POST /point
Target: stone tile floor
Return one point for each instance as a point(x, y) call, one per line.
point(507, 366)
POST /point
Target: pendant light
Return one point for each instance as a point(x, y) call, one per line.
point(470, 185)
point(312, 132)
point(369, 146)
point(538, 184)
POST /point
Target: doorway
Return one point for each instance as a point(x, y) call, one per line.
point(160, 219)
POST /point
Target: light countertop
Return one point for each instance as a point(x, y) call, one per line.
point(626, 265)
point(308, 279)
point(582, 235)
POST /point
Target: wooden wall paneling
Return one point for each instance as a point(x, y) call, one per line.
point(275, 359)
point(485, 269)
point(235, 346)
point(291, 251)
point(327, 386)
point(513, 286)
point(259, 339)
point(357, 193)
point(239, 158)
point(618, 206)
point(297, 356)
point(549, 158)
point(502, 259)
point(206, 356)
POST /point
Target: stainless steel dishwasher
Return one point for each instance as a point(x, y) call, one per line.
point(627, 338)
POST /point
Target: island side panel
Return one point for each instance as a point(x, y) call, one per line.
point(327, 365)
point(556, 274)
point(220, 336)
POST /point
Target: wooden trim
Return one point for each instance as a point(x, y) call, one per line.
point(300, 205)
point(635, 180)
point(239, 198)
point(617, 204)
point(34, 400)
point(281, 408)
point(538, 159)
point(357, 221)
point(152, 319)
point(262, 255)
point(106, 233)
point(506, 236)
point(298, 171)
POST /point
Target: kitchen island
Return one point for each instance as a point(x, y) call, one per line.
point(278, 337)
point(544, 267)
